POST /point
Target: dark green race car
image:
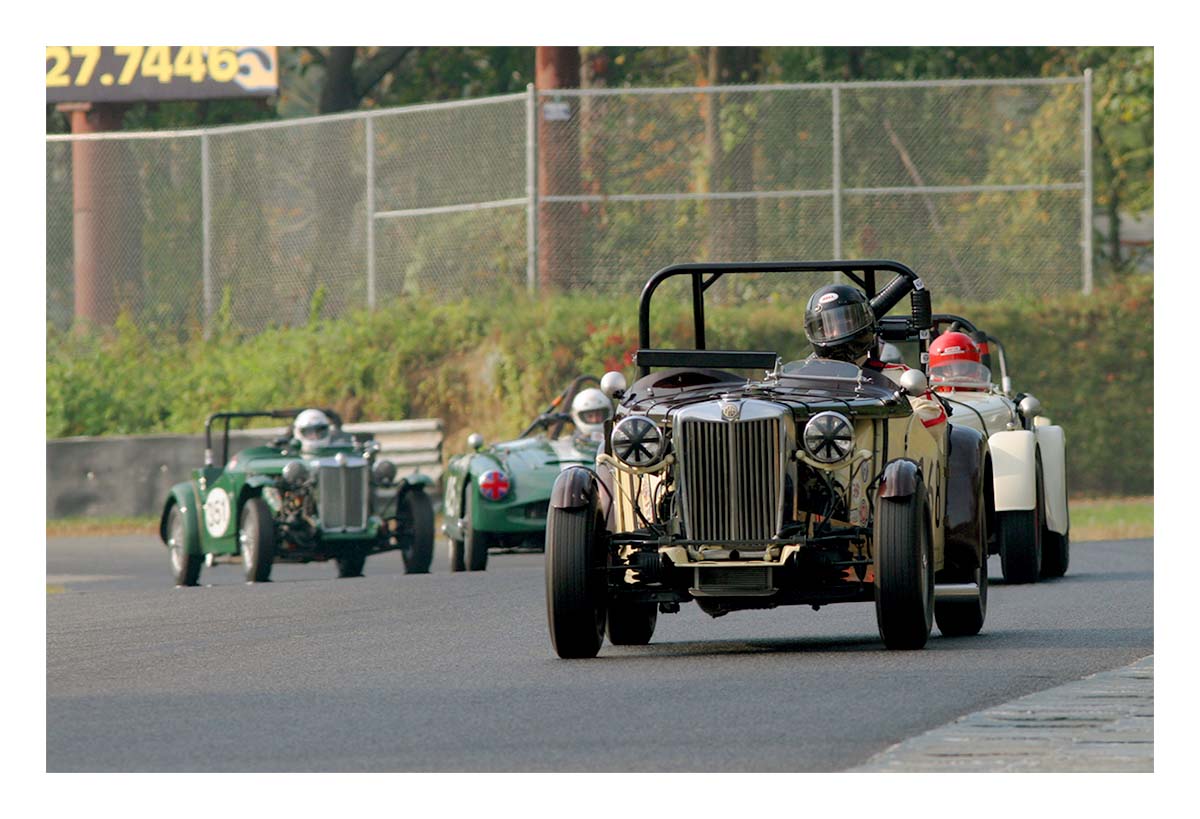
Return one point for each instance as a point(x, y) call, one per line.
point(325, 497)
point(497, 496)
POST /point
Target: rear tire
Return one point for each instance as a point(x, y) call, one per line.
point(185, 566)
point(416, 532)
point(1021, 538)
point(455, 553)
point(576, 596)
point(904, 571)
point(631, 624)
point(256, 537)
point(964, 618)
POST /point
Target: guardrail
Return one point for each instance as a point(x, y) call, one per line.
point(130, 475)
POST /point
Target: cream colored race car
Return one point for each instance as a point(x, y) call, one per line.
point(1032, 524)
point(737, 482)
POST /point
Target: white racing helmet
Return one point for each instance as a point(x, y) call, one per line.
point(312, 429)
point(589, 410)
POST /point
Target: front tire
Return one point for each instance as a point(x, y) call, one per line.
point(416, 532)
point(1056, 553)
point(575, 583)
point(904, 571)
point(351, 565)
point(474, 543)
point(256, 536)
point(1021, 538)
point(185, 566)
point(631, 624)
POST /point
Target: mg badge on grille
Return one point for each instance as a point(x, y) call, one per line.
point(730, 410)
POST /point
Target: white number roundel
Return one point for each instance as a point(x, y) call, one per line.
point(216, 512)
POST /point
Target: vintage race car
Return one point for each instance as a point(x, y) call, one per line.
point(813, 484)
point(276, 503)
point(497, 496)
point(1031, 528)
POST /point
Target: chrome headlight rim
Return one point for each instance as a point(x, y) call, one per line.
point(828, 437)
point(638, 441)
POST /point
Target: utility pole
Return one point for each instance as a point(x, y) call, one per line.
point(558, 165)
point(105, 252)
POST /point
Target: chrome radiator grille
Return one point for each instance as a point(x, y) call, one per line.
point(342, 501)
point(731, 478)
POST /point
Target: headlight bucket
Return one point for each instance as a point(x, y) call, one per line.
point(828, 437)
point(638, 441)
point(295, 472)
point(384, 472)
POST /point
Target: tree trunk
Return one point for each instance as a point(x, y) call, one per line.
point(338, 93)
point(733, 225)
point(558, 167)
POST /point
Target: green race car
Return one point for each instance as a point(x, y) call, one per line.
point(320, 494)
point(497, 496)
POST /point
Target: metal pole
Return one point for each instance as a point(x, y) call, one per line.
point(206, 234)
point(369, 136)
point(837, 173)
point(531, 192)
point(1087, 182)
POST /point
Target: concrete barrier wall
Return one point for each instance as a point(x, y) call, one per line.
point(130, 475)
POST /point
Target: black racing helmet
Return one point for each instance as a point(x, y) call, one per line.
point(839, 322)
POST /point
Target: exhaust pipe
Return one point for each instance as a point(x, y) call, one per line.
point(956, 591)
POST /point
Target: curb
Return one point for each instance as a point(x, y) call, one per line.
point(1102, 723)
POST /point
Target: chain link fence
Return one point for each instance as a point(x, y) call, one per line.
point(982, 186)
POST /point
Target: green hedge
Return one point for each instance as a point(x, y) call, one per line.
point(488, 364)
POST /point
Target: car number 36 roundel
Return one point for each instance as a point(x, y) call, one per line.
point(216, 512)
point(494, 485)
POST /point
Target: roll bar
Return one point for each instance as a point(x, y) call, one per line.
point(229, 416)
point(861, 272)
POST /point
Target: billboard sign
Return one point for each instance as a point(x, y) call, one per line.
point(146, 73)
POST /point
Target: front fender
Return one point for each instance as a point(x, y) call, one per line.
point(183, 495)
point(968, 462)
point(415, 481)
point(1052, 444)
point(574, 488)
point(900, 479)
point(1014, 461)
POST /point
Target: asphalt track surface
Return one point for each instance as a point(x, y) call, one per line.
point(455, 672)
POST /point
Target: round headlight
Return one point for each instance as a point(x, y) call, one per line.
point(828, 437)
point(637, 441)
point(385, 472)
point(494, 485)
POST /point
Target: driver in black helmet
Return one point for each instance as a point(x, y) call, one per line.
point(840, 324)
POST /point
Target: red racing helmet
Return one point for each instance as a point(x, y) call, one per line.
point(954, 364)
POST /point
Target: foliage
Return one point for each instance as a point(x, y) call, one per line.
point(488, 365)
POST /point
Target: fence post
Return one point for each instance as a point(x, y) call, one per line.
point(837, 174)
point(206, 234)
point(369, 138)
point(531, 192)
point(1087, 182)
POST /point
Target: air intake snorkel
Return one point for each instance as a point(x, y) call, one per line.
point(897, 289)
